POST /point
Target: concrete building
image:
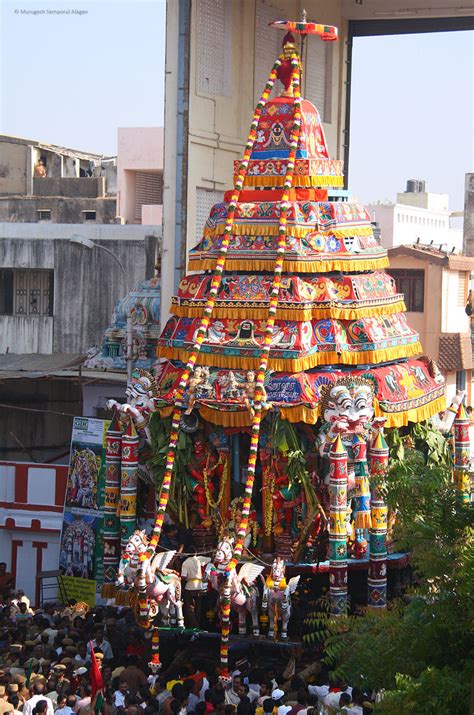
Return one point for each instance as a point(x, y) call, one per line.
point(56, 297)
point(56, 301)
point(436, 289)
point(31, 515)
point(417, 216)
point(46, 183)
point(218, 55)
point(140, 175)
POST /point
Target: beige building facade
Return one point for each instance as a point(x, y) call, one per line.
point(218, 56)
point(436, 288)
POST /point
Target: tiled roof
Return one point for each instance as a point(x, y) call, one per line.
point(455, 352)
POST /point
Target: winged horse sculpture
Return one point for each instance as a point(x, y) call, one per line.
point(277, 597)
point(244, 593)
point(163, 585)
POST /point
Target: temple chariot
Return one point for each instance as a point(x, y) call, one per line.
point(287, 357)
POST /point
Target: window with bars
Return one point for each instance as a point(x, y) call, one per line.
point(412, 284)
point(148, 190)
point(26, 292)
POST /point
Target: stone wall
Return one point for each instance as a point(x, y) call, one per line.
point(63, 210)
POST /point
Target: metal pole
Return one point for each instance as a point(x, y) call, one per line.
point(129, 318)
point(129, 348)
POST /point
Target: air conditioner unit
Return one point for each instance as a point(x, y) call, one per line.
point(120, 220)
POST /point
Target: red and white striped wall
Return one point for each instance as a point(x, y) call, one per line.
point(31, 515)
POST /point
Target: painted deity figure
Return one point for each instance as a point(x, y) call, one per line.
point(203, 477)
point(234, 516)
point(277, 597)
point(83, 479)
point(287, 505)
point(77, 549)
point(242, 591)
point(163, 586)
point(141, 394)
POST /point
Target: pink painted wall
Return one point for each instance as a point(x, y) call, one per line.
point(138, 149)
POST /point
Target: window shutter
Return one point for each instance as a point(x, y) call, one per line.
point(462, 285)
point(213, 46)
point(148, 190)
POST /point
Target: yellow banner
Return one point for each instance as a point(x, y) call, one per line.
point(81, 589)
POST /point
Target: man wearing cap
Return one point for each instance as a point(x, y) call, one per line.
point(62, 683)
point(14, 701)
point(277, 696)
point(23, 692)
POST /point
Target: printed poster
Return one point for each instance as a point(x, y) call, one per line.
point(81, 552)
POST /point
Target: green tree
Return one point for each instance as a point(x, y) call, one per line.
point(420, 651)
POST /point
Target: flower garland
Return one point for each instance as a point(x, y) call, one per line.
point(265, 351)
point(200, 333)
point(268, 506)
point(225, 475)
point(273, 303)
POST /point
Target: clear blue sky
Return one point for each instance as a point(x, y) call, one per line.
point(412, 114)
point(72, 80)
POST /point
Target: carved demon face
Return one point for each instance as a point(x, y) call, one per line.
point(353, 403)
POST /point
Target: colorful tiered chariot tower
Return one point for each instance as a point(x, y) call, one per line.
point(288, 317)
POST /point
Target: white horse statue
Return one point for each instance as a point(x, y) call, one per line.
point(163, 586)
point(243, 593)
point(277, 597)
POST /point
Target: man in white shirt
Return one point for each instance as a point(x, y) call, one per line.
point(232, 696)
point(320, 688)
point(192, 570)
point(119, 695)
point(38, 694)
point(332, 699)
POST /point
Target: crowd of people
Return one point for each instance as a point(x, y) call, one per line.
point(45, 669)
